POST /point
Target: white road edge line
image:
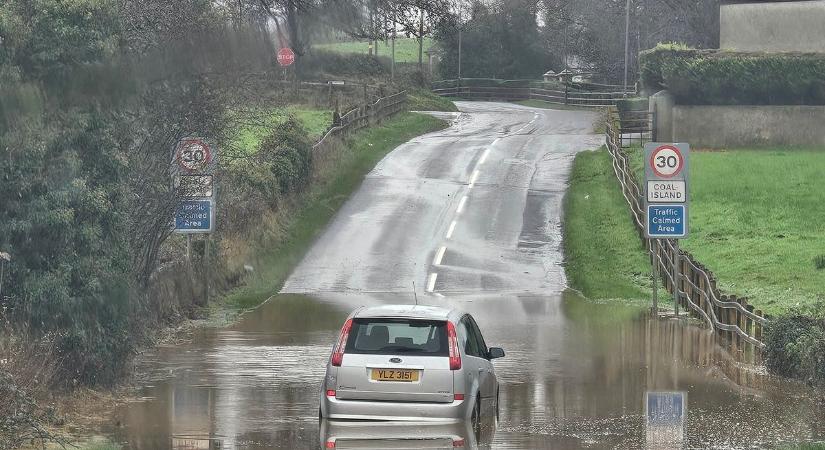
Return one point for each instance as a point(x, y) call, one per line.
point(452, 228)
point(461, 205)
point(473, 179)
point(484, 157)
point(439, 256)
point(431, 282)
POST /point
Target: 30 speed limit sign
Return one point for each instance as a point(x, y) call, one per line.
point(666, 161)
point(193, 155)
point(667, 190)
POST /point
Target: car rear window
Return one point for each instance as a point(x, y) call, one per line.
point(390, 336)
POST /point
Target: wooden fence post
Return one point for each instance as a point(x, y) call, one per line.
point(743, 322)
point(733, 319)
point(749, 326)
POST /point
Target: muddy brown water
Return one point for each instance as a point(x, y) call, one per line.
point(575, 376)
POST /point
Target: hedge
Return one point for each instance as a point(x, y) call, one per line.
point(343, 64)
point(795, 347)
point(714, 77)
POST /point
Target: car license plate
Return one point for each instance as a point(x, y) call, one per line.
point(395, 375)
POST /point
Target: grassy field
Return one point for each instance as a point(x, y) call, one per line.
point(406, 49)
point(604, 257)
point(252, 131)
point(366, 148)
point(757, 220)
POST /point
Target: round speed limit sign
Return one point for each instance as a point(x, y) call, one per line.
point(667, 161)
point(193, 155)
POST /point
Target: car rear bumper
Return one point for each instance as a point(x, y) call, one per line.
point(456, 411)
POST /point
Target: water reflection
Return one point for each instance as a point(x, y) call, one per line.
point(405, 435)
point(575, 375)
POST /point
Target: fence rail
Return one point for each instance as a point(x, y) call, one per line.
point(728, 315)
point(567, 96)
point(354, 120)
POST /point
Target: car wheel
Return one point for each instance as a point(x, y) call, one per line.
point(475, 418)
point(497, 404)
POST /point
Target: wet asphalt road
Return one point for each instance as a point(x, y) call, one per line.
point(470, 215)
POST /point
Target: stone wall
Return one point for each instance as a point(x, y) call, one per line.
point(773, 26)
point(747, 126)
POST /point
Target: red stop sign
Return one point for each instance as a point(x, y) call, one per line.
point(286, 57)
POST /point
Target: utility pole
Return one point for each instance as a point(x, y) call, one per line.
point(392, 66)
point(459, 42)
point(626, 44)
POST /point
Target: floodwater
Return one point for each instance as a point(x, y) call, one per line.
point(469, 217)
point(575, 376)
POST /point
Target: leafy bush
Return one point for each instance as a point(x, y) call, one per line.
point(795, 347)
point(632, 104)
point(324, 63)
point(713, 77)
point(281, 165)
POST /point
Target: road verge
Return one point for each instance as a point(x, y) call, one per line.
point(604, 258)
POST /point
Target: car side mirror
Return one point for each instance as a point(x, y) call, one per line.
point(495, 352)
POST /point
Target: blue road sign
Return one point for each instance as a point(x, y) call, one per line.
point(194, 216)
point(665, 409)
point(666, 221)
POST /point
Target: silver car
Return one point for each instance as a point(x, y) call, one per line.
point(410, 363)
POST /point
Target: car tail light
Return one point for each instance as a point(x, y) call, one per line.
point(331, 444)
point(330, 392)
point(458, 397)
point(458, 442)
point(338, 352)
point(452, 340)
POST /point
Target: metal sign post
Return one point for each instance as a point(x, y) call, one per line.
point(666, 203)
point(193, 165)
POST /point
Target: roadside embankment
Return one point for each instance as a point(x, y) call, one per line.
point(286, 238)
point(604, 258)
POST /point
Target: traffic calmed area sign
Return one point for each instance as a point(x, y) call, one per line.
point(666, 188)
point(193, 165)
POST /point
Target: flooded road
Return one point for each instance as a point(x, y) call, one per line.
point(488, 191)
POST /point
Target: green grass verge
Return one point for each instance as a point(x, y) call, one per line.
point(604, 255)
point(406, 49)
point(424, 100)
point(757, 220)
point(323, 200)
point(251, 132)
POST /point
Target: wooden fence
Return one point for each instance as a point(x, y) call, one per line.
point(566, 96)
point(354, 120)
point(731, 317)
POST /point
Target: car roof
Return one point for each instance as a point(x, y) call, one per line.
point(406, 311)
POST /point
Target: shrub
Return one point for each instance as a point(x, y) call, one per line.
point(795, 347)
point(713, 77)
point(632, 104)
point(321, 63)
point(281, 165)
